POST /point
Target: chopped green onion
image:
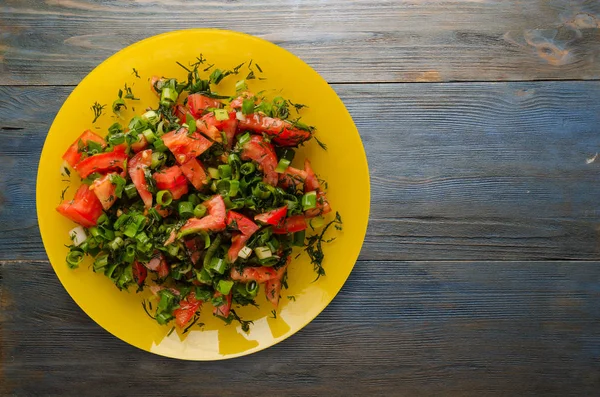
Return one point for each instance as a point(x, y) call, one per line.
point(163, 318)
point(130, 190)
point(173, 249)
point(309, 200)
point(282, 166)
point(204, 276)
point(213, 172)
point(164, 197)
point(224, 286)
point(110, 269)
point(119, 182)
point(94, 231)
point(199, 211)
point(244, 139)
point(194, 199)
point(116, 139)
point(142, 238)
point(247, 168)
point(74, 258)
point(262, 252)
point(77, 235)
point(191, 122)
point(261, 191)
point(286, 153)
point(241, 86)
point(218, 265)
point(317, 222)
point(159, 145)
point(137, 125)
point(168, 96)
point(186, 209)
point(245, 252)
point(115, 128)
point(94, 147)
point(151, 117)
point(299, 238)
point(211, 251)
point(135, 224)
point(252, 288)
point(101, 261)
point(125, 278)
point(221, 114)
point(129, 254)
point(116, 244)
point(248, 106)
point(234, 187)
point(223, 186)
point(149, 135)
point(154, 213)
point(158, 159)
point(225, 171)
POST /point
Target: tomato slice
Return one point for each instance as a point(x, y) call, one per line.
point(238, 241)
point(101, 162)
point(272, 217)
point(292, 224)
point(229, 127)
point(273, 286)
point(198, 103)
point(225, 308)
point(171, 179)
point(311, 182)
point(242, 223)
point(137, 171)
point(139, 272)
point(187, 308)
point(195, 173)
point(141, 144)
point(322, 207)
point(256, 149)
point(85, 208)
point(213, 222)
point(292, 177)
point(260, 274)
point(283, 132)
point(73, 154)
point(104, 189)
point(185, 147)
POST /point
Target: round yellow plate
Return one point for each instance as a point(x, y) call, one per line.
point(343, 165)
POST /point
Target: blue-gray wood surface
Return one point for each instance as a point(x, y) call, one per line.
point(480, 272)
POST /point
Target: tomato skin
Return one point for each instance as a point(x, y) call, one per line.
point(322, 207)
point(141, 144)
point(241, 223)
point(185, 147)
point(187, 308)
point(238, 241)
point(101, 162)
point(260, 274)
point(85, 208)
point(292, 177)
point(256, 149)
point(225, 308)
point(139, 272)
point(198, 103)
point(173, 180)
point(272, 217)
point(273, 286)
point(72, 156)
point(311, 182)
point(138, 164)
point(229, 127)
point(283, 132)
point(195, 173)
point(105, 190)
point(214, 221)
point(292, 224)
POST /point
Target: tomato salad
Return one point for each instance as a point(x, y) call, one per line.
point(197, 199)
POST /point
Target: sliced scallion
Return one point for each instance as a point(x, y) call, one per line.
point(282, 166)
point(164, 197)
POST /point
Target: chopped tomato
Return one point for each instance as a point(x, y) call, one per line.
point(272, 217)
point(187, 308)
point(273, 286)
point(181, 113)
point(158, 264)
point(322, 207)
point(194, 248)
point(283, 132)
point(213, 222)
point(85, 208)
point(141, 144)
point(242, 223)
point(292, 224)
point(198, 103)
point(164, 212)
point(137, 171)
point(239, 101)
point(238, 241)
point(311, 182)
point(259, 274)
point(185, 146)
point(139, 272)
point(104, 189)
point(101, 162)
point(292, 177)
point(224, 309)
point(173, 180)
point(228, 126)
point(73, 153)
point(263, 154)
point(195, 173)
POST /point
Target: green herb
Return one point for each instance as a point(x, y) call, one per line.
point(314, 246)
point(292, 298)
point(135, 73)
point(97, 109)
point(323, 146)
point(273, 314)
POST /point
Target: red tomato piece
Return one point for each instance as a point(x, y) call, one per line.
point(292, 224)
point(292, 177)
point(184, 146)
point(256, 149)
point(242, 223)
point(187, 308)
point(260, 274)
point(141, 144)
point(322, 207)
point(273, 286)
point(198, 103)
point(214, 221)
point(238, 241)
point(224, 309)
point(139, 272)
point(104, 189)
point(181, 113)
point(272, 217)
point(73, 155)
point(173, 180)
point(137, 171)
point(283, 132)
point(101, 162)
point(311, 182)
point(85, 208)
point(158, 264)
point(195, 173)
point(228, 126)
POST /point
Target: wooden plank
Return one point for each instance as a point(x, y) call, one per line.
point(458, 171)
point(399, 328)
point(59, 42)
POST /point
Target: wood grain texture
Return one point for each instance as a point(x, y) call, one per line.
point(60, 41)
point(396, 328)
point(458, 171)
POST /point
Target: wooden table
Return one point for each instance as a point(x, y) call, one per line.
point(480, 272)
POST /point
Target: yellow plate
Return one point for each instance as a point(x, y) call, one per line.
point(343, 165)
